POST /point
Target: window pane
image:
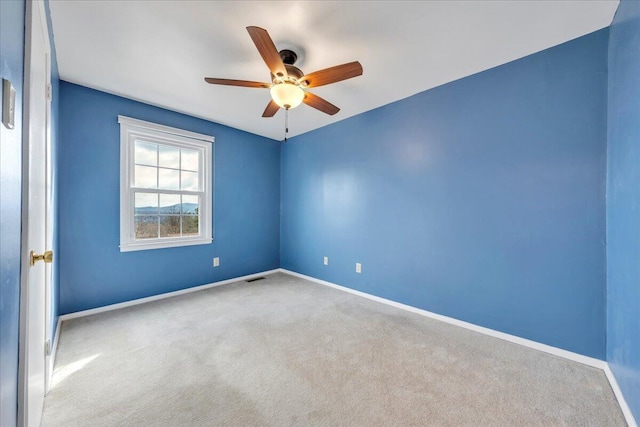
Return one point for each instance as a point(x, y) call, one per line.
point(169, 179)
point(169, 157)
point(146, 227)
point(146, 203)
point(190, 160)
point(170, 204)
point(190, 204)
point(190, 181)
point(146, 153)
point(170, 226)
point(190, 225)
point(146, 177)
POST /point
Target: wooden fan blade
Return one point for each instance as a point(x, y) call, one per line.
point(242, 83)
point(319, 103)
point(268, 51)
point(332, 74)
point(271, 110)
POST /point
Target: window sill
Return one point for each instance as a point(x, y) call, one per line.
point(130, 247)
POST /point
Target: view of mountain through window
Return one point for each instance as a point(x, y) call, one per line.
point(161, 167)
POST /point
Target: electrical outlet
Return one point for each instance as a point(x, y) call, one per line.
point(326, 260)
point(216, 262)
point(358, 267)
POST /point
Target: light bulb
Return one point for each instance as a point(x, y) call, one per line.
point(287, 95)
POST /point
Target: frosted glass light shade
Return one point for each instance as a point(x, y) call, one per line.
point(287, 95)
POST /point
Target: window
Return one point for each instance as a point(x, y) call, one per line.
point(165, 186)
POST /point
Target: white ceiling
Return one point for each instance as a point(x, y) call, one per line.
point(159, 52)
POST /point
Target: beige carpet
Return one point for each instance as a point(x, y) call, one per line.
point(287, 352)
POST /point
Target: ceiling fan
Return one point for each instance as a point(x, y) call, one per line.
point(288, 83)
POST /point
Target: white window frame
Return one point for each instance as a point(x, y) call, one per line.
point(134, 129)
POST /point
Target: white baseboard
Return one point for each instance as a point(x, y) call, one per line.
point(161, 296)
point(586, 360)
point(621, 400)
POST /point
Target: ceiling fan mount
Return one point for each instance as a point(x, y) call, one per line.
point(288, 83)
point(288, 56)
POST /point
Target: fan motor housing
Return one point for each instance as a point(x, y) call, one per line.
point(294, 72)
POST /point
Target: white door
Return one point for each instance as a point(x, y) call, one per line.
point(34, 214)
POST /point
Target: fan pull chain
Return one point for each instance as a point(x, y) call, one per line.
point(286, 123)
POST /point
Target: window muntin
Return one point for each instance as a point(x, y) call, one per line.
point(165, 186)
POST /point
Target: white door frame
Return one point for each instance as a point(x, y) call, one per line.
point(30, 22)
point(49, 220)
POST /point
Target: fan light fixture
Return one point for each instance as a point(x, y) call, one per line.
point(287, 95)
point(287, 79)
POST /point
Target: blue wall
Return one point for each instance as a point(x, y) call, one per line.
point(483, 199)
point(93, 271)
point(623, 203)
point(11, 68)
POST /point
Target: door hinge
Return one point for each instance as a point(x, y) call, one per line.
point(47, 348)
point(49, 92)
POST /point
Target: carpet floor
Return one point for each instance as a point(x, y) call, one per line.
point(288, 352)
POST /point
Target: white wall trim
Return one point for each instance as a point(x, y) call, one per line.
point(626, 411)
point(161, 296)
point(586, 360)
point(165, 129)
point(132, 131)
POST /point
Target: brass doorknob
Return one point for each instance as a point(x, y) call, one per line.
point(46, 257)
